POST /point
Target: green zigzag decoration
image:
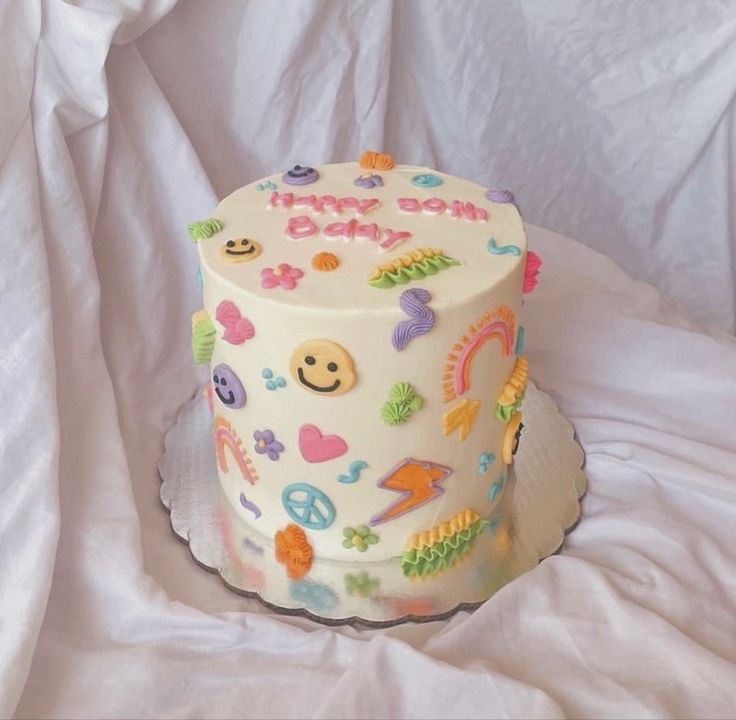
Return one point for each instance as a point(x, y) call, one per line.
point(504, 412)
point(441, 555)
point(416, 271)
point(203, 229)
point(203, 340)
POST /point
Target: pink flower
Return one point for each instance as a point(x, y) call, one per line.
point(533, 263)
point(282, 275)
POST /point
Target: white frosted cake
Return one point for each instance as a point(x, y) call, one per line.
point(362, 325)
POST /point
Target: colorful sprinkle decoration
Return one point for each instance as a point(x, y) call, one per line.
point(268, 185)
point(272, 382)
point(359, 538)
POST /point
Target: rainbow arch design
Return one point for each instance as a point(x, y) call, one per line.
point(499, 324)
point(226, 437)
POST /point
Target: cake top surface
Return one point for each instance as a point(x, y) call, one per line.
point(346, 237)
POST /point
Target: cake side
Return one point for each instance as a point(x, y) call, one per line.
point(370, 394)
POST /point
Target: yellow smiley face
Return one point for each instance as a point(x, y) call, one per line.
point(240, 250)
point(323, 367)
point(511, 437)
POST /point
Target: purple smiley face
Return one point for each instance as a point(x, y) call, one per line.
point(228, 387)
point(300, 175)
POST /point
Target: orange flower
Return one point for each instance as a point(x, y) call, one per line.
point(370, 160)
point(294, 551)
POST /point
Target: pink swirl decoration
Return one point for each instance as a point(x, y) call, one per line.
point(501, 196)
point(421, 319)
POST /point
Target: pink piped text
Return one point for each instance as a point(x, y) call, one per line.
point(437, 206)
point(318, 204)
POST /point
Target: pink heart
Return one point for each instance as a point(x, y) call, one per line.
point(316, 447)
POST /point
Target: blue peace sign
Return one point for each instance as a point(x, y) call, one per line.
point(308, 506)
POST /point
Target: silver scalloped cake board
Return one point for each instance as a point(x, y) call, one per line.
point(540, 504)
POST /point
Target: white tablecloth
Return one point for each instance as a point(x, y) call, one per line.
point(110, 143)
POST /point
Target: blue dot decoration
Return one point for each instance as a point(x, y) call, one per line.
point(484, 461)
point(272, 382)
point(426, 180)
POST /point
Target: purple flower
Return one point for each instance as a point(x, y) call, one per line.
point(267, 444)
point(368, 181)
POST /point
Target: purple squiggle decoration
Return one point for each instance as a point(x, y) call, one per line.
point(501, 196)
point(248, 505)
point(421, 319)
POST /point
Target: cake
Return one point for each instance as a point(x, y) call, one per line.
point(362, 323)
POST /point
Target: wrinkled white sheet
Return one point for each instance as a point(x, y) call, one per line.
point(119, 124)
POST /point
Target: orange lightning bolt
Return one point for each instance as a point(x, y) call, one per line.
point(417, 480)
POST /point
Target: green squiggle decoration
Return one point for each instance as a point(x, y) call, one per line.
point(441, 555)
point(203, 229)
point(416, 271)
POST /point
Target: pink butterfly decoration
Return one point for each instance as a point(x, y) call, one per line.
point(238, 329)
point(533, 263)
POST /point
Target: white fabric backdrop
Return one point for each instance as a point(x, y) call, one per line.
point(120, 124)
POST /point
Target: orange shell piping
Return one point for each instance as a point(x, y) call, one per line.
point(371, 160)
point(325, 261)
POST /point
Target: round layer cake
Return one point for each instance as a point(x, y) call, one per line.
point(362, 325)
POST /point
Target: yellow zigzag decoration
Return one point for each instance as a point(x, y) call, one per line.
point(461, 416)
point(414, 265)
point(462, 521)
point(515, 386)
